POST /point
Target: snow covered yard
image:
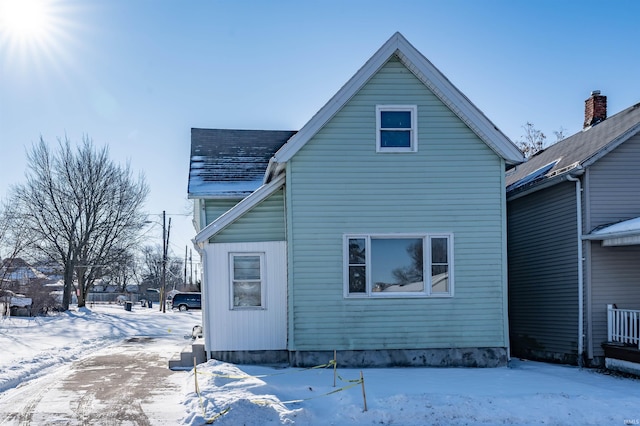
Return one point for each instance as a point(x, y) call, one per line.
point(526, 393)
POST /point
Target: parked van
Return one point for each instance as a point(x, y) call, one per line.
point(186, 301)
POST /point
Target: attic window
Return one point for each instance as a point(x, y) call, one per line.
point(396, 128)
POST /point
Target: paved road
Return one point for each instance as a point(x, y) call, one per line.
point(124, 384)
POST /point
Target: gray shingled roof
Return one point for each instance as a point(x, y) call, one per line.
point(226, 163)
point(582, 149)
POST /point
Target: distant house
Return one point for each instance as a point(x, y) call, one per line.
point(19, 272)
point(574, 241)
point(378, 230)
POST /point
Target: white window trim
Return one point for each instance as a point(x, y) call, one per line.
point(413, 130)
point(263, 283)
point(426, 238)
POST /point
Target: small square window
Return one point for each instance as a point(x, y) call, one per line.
point(396, 128)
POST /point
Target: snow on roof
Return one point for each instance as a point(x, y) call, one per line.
point(631, 225)
point(203, 188)
point(622, 233)
point(227, 162)
point(21, 302)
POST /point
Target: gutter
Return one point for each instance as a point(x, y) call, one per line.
point(545, 184)
point(571, 178)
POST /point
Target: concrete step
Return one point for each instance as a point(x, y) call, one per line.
point(185, 362)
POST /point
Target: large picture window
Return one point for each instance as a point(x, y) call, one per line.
point(398, 265)
point(247, 285)
point(396, 128)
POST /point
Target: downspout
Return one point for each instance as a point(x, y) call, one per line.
point(205, 296)
point(580, 269)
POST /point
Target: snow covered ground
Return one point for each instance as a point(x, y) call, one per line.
point(526, 393)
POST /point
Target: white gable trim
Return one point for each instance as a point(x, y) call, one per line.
point(237, 211)
point(430, 76)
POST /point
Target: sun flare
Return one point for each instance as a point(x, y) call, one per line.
point(36, 36)
point(25, 19)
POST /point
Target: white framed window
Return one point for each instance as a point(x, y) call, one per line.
point(396, 128)
point(247, 280)
point(398, 265)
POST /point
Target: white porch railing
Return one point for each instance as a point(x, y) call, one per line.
point(623, 325)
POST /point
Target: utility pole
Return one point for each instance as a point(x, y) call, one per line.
point(190, 268)
point(165, 246)
point(185, 265)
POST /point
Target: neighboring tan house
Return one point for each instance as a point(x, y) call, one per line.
point(378, 230)
point(574, 243)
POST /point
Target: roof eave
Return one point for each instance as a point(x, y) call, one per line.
point(235, 195)
point(460, 104)
point(544, 183)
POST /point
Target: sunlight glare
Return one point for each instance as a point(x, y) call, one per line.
point(24, 19)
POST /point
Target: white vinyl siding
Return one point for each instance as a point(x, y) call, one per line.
point(247, 283)
point(246, 329)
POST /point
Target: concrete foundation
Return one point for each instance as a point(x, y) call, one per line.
point(252, 357)
point(453, 357)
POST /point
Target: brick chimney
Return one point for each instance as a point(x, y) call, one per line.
point(595, 109)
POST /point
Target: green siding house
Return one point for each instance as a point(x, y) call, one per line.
point(378, 230)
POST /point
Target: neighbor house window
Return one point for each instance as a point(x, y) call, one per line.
point(396, 128)
point(247, 283)
point(398, 265)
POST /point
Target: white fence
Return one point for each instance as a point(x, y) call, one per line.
point(623, 325)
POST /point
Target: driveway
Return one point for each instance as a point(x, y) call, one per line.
point(127, 383)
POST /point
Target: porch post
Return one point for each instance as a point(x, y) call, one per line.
point(609, 323)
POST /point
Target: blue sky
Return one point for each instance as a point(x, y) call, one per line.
point(137, 75)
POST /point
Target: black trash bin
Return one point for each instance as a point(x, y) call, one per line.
point(128, 306)
point(149, 304)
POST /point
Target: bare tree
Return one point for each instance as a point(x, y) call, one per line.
point(152, 265)
point(532, 141)
point(14, 238)
point(414, 272)
point(83, 210)
point(152, 268)
point(560, 134)
point(125, 271)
